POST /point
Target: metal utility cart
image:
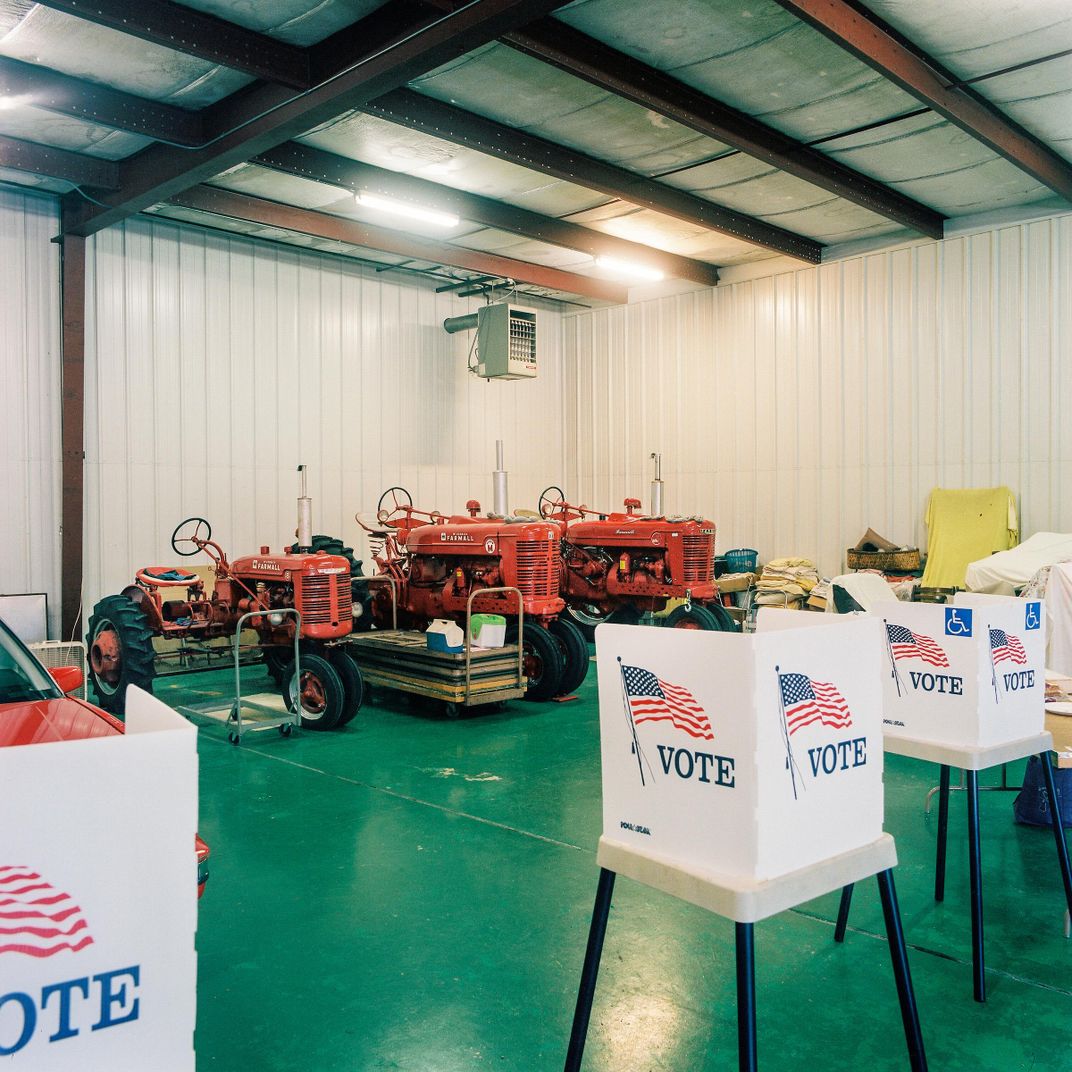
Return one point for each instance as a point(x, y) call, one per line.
point(284, 723)
point(400, 659)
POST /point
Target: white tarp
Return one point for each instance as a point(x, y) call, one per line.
point(97, 846)
point(1059, 608)
point(1006, 572)
point(741, 755)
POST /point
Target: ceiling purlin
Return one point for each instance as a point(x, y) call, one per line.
point(199, 34)
point(885, 50)
point(95, 103)
point(336, 228)
point(77, 168)
point(305, 161)
point(552, 41)
point(264, 115)
point(419, 112)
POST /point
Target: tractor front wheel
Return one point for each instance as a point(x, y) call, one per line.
point(322, 695)
point(353, 686)
point(543, 662)
point(574, 653)
point(711, 617)
point(120, 652)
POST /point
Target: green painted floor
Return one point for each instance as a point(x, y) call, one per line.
point(412, 893)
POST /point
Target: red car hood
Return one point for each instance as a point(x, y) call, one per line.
point(44, 721)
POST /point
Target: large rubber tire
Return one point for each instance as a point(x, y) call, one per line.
point(120, 645)
point(626, 614)
point(585, 621)
point(574, 653)
point(323, 694)
point(544, 664)
point(359, 590)
point(276, 659)
point(711, 617)
point(352, 683)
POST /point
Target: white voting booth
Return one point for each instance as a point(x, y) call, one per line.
point(743, 773)
point(98, 873)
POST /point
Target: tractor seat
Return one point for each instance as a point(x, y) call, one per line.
point(166, 577)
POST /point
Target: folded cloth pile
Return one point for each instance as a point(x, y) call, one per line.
point(786, 582)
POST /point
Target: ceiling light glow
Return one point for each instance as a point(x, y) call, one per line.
point(628, 268)
point(406, 209)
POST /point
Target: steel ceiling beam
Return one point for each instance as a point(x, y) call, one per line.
point(882, 48)
point(307, 162)
point(266, 114)
point(554, 42)
point(338, 229)
point(41, 87)
point(445, 121)
point(78, 168)
point(196, 33)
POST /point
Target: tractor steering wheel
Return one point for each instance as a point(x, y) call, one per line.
point(552, 500)
point(394, 502)
point(196, 537)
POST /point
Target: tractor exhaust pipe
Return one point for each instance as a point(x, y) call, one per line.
point(499, 491)
point(657, 487)
point(305, 517)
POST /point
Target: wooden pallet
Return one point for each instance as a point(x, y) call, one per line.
point(401, 660)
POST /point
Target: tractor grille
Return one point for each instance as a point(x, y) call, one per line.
point(537, 568)
point(324, 599)
point(699, 559)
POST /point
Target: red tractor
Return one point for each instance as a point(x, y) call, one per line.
point(437, 562)
point(172, 603)
point(618, 567)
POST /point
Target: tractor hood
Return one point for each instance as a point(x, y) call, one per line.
point(279, 567)
point(623, 530)
point(475, 537)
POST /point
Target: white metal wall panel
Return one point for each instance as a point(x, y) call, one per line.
point(800, 409)
point(30, 362)
point(216, 364)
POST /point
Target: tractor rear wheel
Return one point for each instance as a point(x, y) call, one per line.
point(276, 660)
point(120, 652)
point(626, 614)
point(701, 617)
point(543, 661)
point(323, 697)
point(350, 676)
point(574, 653)
point(586, 616)
point(359, 590)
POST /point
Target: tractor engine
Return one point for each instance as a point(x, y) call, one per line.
point(316, 585)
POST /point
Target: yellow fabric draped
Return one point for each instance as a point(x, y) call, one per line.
point(966, 524)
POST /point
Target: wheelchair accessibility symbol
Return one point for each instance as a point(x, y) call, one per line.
point(1033, 616)
point(958, 621)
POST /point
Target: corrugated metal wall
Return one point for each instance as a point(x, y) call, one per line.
point(30, 360)
point(216, 364)
point(798, 410)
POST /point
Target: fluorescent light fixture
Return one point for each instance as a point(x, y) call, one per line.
point(635, 271)
point(405, 208)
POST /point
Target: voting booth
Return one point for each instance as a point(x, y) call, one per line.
point(743, 773)
point(98, 895)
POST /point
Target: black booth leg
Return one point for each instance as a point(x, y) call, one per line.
point(586, 991)
point(746, 997)
point(899, 956)
point(1058, 831)
point(843, 913)
point(943, 832)
point(976, 877)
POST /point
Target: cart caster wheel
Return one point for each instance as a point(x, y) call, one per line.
point(286, 729)
point(451, 710)
point(233, 737)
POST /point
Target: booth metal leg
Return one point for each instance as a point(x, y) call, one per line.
point(943, 833)
point(586, 991)
point(1058, 830)
point(746, 997)
point(843, 913)
point(899, 956)
point(976, 873)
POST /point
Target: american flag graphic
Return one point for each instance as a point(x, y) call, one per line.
point(1004, 647)
point(908, 645)
point(37, 919)
point(805, 701)
point(654, 700)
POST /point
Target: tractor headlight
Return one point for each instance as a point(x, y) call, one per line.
point(275, 618)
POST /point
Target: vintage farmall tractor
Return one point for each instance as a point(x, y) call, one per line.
point(619, 567)
point(437, 562)
point(172, 603)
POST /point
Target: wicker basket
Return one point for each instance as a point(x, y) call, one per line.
point(887, 561)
